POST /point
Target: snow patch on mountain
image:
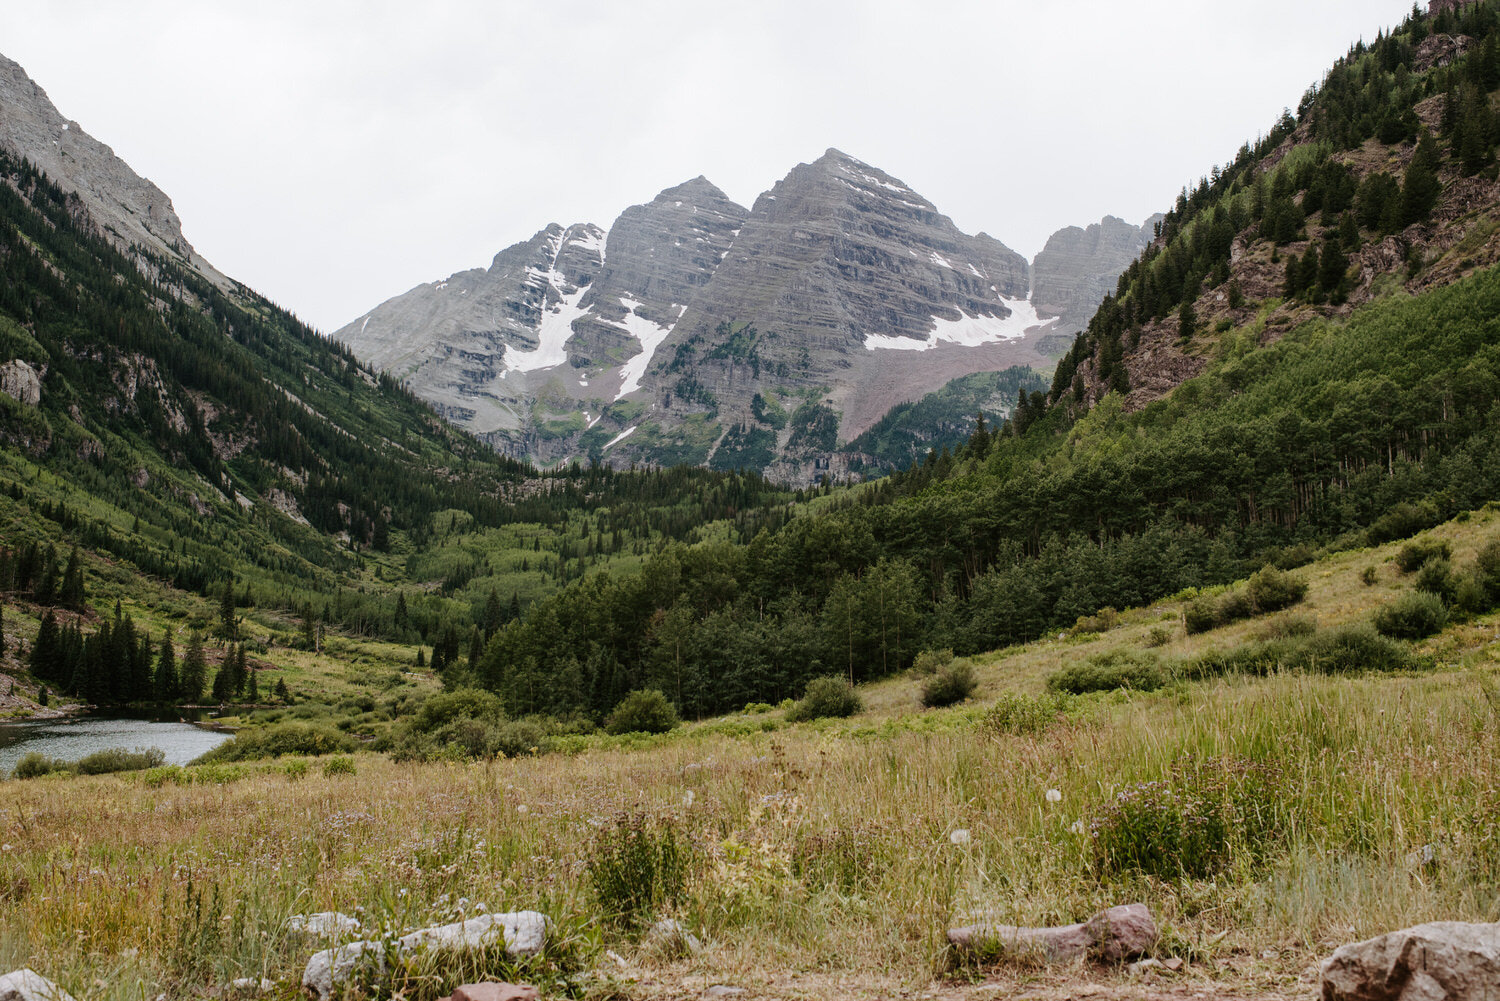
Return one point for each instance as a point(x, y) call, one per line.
point(651, 335)
point(968, 331)
point(552, 337)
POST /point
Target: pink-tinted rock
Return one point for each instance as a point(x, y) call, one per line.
point(494, 992)
point(1442, 961)
point(1111, 936)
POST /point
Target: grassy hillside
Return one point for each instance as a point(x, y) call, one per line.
point(828, 859)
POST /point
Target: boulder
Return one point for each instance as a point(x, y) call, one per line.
point(1442, 961)
point(20, 381)
point(324, 924)
point(522, 933)
point(1111, 936)
point(28, 985)
point(494, 992)
point(333, 967)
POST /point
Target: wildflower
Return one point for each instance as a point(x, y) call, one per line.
point(688, 797)
point(523, 808)
point(1077, 826)
point(1054, 796)
point(959, 836)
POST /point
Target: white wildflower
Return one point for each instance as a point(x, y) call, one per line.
point(523, 808)
point(1054, 796)
point(959, 836)
point(1077, 826)
point(688, 797)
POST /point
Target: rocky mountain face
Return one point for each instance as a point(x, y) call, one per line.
point(699, 331)
point(126, 208)
point(1079, 267)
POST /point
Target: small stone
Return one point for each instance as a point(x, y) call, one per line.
point(1174, 964)
point(28, 985)
point(670, 938)
point(495, 992)
point(251, 985)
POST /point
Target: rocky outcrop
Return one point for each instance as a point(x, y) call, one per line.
point(523, 933)
point(20, 382)
point(1442, 961)
point(28, 985)
point(1111, 936)
point(128, 209)
point(1079, 267)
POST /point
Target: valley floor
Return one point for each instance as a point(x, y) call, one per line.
point(1299, 811)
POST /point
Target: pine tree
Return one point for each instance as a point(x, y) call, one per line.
point(165, 682)
point(280, 692)
point(194, 671)
point(494, 614)
point(72, 583)
point(46, 587)
point(476, 647)
point(1332, 269)
point(46, 652)
point(228, 621)
point(1420, 191)
point(1187, 322)
point(252, 686)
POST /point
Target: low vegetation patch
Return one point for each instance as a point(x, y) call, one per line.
point(1413, 616)
point(1106, 672)
point(951, 685)
point(825, 697)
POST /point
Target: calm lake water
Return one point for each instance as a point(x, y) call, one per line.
point(71, 739)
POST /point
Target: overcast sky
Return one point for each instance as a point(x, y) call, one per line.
point(333, 153)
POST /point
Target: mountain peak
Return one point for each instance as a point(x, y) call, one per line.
point(699, 187)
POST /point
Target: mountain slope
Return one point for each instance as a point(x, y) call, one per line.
point(842, 291)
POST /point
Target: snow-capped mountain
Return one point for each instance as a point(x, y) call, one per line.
point(699, 331)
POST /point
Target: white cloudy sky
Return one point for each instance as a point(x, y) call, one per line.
point(332, 153)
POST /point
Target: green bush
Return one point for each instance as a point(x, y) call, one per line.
point(1285, 627)
point(644, 711)
point(1402, 521)
point(637, 867)
point(1413, 616)
point(1436, 577)
point(339, 765)
point(825, 697)
point(1201, 616)
point(308, 739)
point(1022, 715)
point(1414, 554)
point(1191, 824)
point(120, 760)
point(1357, 648)
point(35, 764)
point(928, 661)
point(463, 703)
point(950, 685)
point(1271, 590)
point(1109, 671)
point(1101, 622)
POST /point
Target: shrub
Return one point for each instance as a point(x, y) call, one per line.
point(1402, 521)
point(825, 697)
point(1191, 824)
point(118, 759)
point(1101, 622)
point(1235, 605)
point(949, 686)
point(1369, 575)
point(1357, 648)
point(643, 711)
point(1487, 569)
point(928, 661)
point(1413, 555)
point(462, 703)
point(1109, 671)
point(1159, 636)
point(36, 764)
point(1271, 590)
point(1436, 577)
point(636, 867)
point(340, 765)
point(1285, 627)
point(1201, 616)
point(283, 738)
point(1415, 615)
point(1026, 714)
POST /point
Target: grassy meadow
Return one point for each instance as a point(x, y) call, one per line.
point(1264, 819)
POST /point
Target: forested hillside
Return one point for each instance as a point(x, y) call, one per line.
point(1360, 408)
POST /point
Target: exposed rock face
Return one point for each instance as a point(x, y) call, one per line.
point(129, 209)
point(1111, 936)
point(1442, 961)
point(20, 382)
point(1079, 267)
point(696, 328)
